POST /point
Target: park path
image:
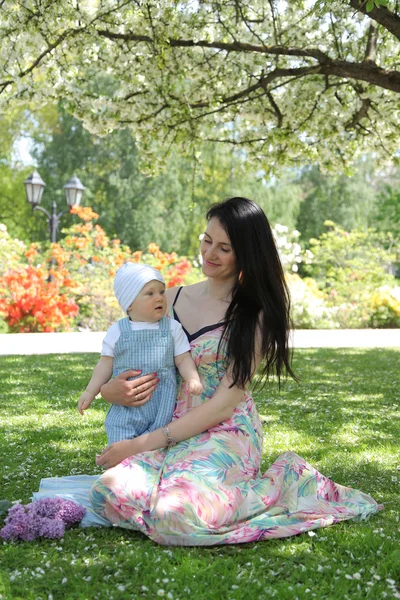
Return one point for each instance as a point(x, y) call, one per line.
point(67, 343)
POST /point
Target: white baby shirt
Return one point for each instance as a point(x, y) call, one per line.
point(181, 343)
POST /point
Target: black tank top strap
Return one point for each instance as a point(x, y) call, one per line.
point(196, 334)
point(177, 295)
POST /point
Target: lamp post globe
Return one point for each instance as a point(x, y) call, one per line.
point(34, 187)
point(73, 191)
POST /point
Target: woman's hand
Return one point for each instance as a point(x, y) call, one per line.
point(129, 393)
point(116, 453)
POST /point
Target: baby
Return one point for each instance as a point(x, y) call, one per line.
point(148, 341)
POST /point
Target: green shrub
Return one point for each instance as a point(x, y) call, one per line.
point(349, 268)
point(309, 308)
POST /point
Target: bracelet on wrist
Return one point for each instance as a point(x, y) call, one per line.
point(170, 440)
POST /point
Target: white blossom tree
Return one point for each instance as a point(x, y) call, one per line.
point(283, 81)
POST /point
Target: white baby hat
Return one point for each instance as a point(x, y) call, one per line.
point(130, 279)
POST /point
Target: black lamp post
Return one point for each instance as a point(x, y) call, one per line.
point(35, 185)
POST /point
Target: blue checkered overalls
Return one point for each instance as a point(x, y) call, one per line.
point(150, 350)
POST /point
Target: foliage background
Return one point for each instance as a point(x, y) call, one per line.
point(196, 108)
point(338, 235)
point(176, 199)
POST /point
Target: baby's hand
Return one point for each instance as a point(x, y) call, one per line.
point(194, 387)
point(84, 402)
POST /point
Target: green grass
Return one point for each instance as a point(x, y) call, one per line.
point(343, 418)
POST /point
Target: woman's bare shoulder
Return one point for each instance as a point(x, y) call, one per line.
point(190, 291)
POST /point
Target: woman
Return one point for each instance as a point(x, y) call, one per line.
point(197, 481)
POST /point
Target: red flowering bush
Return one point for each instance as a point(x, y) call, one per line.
point(30, 303)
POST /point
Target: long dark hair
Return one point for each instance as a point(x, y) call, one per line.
point(259, 297)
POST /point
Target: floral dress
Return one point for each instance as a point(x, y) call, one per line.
point(209, 490)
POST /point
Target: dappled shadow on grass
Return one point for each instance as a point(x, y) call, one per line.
point(40, 404)
point(43, 382)
point(64, 438)
point(339, 391)
point(342, 419)
point(52, 364)
point(342, 416)
point(41, 431)
point(347, 401)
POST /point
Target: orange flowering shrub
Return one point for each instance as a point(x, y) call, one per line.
point(94, 259)
point(28, 301)
point(84, 212)
point(173, 268)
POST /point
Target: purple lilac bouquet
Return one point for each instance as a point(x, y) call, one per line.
point(47, 517)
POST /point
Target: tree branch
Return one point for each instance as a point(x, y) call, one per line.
point(337, 68)
point(271, 5)
point(310, 114)
point(370, 50)
point(228, 46)
point(216, 110)
point(134, 94)
point(247, 22)
point(369, 72)
point(151, 115)
point(236, 142)
point(49, 48)
point(4, 84)
point(336, 38)
point(360, 114)
point(276, 108)
point(390, 21)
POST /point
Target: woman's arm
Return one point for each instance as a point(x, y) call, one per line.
point(199, 419)
point(216, 410)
